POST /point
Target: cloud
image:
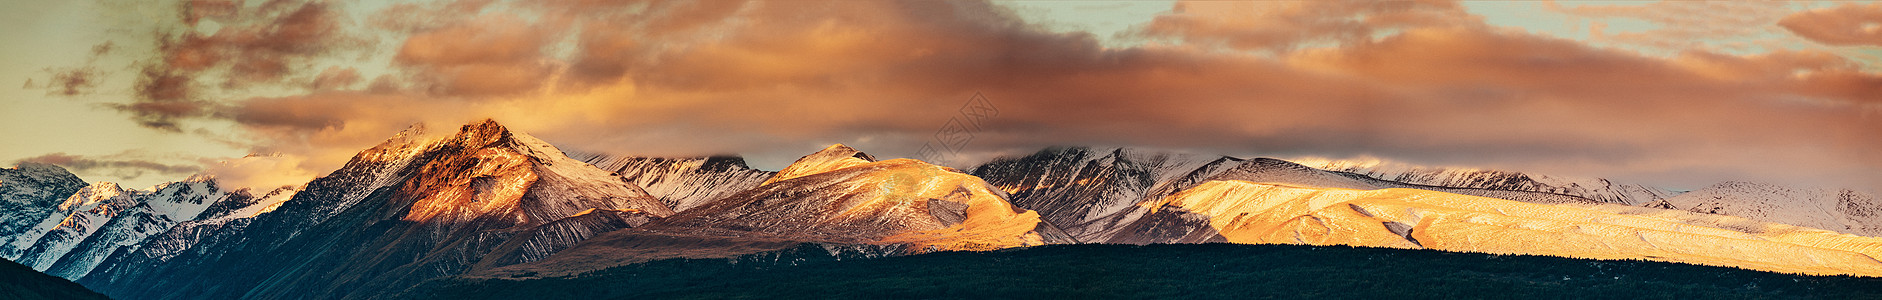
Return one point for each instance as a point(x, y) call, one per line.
point(1741, 26)
point(122, 166)
point(1535, 102)
point(308, 135)
point(1283, 25)
point(492, 55)
point(1849, 24)
point(255, 45)
point(334, 78)
point(75, 81)
point(261, 173)
point(164, 98)
point(1423, 82)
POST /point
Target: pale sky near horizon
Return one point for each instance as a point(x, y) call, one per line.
point(49, 38)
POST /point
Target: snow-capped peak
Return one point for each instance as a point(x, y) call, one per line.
point(487, 133)
point(36, 184)
point(830, 158)
point(92, 195)
point(482, 133)
point(486, 168)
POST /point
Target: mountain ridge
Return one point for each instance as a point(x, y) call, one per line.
point(490, 202)
point(412, 208)
point(683, 182)
point(837, 197)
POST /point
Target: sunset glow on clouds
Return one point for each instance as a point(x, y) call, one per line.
point(309, 84)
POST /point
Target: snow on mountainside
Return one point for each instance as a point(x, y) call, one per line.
point(245, 204)
point(79, 216)
point(156, 210)
point(1592, 188)
point(495, 202)
point(1182, 199)
point(470, 196)
point(1080, 189)
point(28, 194)
point(540, 242)
point(234, 205)
point(682, 183)
point(1150, 223)
point(231, 214)
point(1841, 210)
point(244, 221)
point(105, 218)
point(1254, 213)
point(830, 158)
point(843, 195)
point(839, 199)
point(410, 209)
point(369, 172)
point(1284, 172)
point(1094, 196)
point(497, 171)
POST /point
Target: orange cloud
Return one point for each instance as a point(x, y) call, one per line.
point(1423, 82)
point(334, 78)
point(1849, 24)
point(490, 55)
point(1686, 25)
point(259, 45)
point(1282, 25)
point(261, 173)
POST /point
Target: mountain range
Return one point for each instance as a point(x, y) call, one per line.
point(485, 201)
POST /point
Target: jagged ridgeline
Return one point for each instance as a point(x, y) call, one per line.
point(484, 210)
point(487, 200)
point(412, 208)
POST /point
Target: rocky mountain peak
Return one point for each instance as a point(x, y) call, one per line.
point(481, 134)
point(90, 195)
point(492, 169)
point(41, 168)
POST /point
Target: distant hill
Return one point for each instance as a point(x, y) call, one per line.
point(18, 282)
point(1160, 271)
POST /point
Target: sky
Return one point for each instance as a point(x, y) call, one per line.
point(1677, 94)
